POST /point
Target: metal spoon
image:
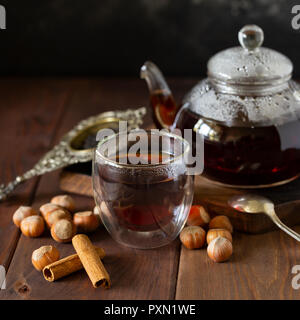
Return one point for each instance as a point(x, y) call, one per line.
point(255, 204)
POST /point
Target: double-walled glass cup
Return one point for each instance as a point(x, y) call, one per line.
point(144, 194)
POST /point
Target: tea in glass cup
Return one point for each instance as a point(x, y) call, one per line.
point(143, 204)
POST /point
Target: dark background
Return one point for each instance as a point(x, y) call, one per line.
point(114, 37)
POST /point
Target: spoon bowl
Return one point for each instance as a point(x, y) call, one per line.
point(250, 203)
point(255, 204)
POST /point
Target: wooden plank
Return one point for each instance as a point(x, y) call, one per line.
point(260, 268)
point(135, 274)
point(76, 183)
point(25, 117)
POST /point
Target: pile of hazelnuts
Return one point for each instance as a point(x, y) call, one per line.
point(218, 237)
point(58, 217)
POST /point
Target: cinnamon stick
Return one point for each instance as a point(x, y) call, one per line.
point(90, 261)
point(66, 266)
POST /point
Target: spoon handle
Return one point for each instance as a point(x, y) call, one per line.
point(283, 227)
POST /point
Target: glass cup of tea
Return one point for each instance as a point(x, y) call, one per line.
point(142, 186)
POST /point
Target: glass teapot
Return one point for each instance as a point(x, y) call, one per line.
point(247, 111)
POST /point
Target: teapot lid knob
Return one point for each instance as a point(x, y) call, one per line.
point(251, 37)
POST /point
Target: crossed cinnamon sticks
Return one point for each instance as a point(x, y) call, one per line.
point(87, 257)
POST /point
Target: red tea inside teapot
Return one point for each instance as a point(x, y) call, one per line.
point(247, 111)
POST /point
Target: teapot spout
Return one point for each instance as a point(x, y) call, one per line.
point(161, 97)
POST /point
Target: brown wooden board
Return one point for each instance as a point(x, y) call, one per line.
point(260, 267)
point(135, 274)
point(25, 118)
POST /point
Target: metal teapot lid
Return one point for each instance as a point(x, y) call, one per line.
point(249, 69)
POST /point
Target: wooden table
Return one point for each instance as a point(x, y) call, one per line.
point(35, 113)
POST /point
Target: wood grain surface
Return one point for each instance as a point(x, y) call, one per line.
point(134, 274)
point(35, 114)
point(25, 118)
point(260, 268)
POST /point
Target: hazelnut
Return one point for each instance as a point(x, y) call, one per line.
point(219, 249)
point(21, 213)
point(63, 230)
point(86, 221)
point(198, 216)
point(32, 226)
point(215, 233)
point(48, 208)
point(64, 201)
point(55, 215)
point(192, 237)
point(221, 222)
point(43, 256)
